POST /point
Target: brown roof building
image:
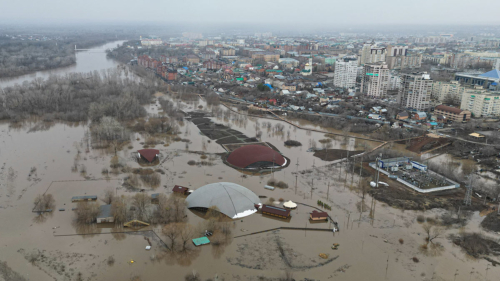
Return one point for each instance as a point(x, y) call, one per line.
point(318, 216)
point(275, 211)
point(255, 156)
point(180, 189)
point(453, 113)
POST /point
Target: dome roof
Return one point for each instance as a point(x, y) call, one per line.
point(255, 155)
point(233, 200)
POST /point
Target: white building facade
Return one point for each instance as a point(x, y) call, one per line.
point(345, 72)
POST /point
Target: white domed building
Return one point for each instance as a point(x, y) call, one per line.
point(232, 200)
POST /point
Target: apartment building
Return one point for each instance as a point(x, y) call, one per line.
point(481, 103)
point(266, 56)
point(371, 54)
point(443, 90)
point(375, 81)
point(398, 57)
point(345, 72)
point(452, 113)
point(415, 91)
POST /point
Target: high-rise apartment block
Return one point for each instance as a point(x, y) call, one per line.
point(375, 82)
point(345, 72)
point(415, 91)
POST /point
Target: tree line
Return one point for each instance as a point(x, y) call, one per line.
point(79, 97)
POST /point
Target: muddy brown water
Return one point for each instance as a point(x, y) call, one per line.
point(369, 246)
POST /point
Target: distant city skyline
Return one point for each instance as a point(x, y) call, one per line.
point(320, 13)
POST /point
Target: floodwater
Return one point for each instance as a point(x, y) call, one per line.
point(369, 241)
point(86, 61)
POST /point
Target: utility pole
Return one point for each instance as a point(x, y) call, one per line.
point(340, 163)
point(312, 185)
point(352, 175)
point(378, 167)
point(296, 174)
point(346, 163)
point(328, 191)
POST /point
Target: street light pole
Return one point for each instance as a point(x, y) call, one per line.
point(378, 168)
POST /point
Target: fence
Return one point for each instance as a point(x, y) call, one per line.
point(429, 190)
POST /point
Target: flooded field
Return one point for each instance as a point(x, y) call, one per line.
point(376, 241)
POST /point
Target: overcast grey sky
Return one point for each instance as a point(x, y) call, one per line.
point(297, 12)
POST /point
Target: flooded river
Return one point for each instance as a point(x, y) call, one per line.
point(86, 61)
point(39, 158)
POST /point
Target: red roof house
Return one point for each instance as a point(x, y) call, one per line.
point(148, 154)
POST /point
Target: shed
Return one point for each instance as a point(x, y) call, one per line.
point(105, 214)
point(180, 189)
point(275, 211)
point(83, 198)
point(318, 216)
point(201, 241)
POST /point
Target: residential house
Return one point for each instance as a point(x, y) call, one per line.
point(318, 216)
point(402, 115)
point(419, 116)
point(105, 214)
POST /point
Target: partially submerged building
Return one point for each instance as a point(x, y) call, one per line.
point(149, 155)
point(84, 198)
point(105, 214)
point(275, 211)
point(232, 200)
point(256, 157)
point(318, 216)
point(180, 190)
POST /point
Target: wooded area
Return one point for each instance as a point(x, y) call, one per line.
point(79, 96)
point(18, 57)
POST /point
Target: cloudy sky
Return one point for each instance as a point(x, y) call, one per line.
point(296, 12)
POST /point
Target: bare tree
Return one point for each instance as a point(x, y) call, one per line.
point(142, 202)
point(119, 210)
point(186, 233)
point(178, 208)
point(43, 202)
point(172, 231)
point(86, 212)
point(109, 196)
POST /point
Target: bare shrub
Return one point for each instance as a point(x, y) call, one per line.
point(191, 162)
point(111, 260)
point(152, 180)
point(271, 182)
point(401, 241)
point(415, 259)
point(192, 276)
point(420, 219)
point(282, 184)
